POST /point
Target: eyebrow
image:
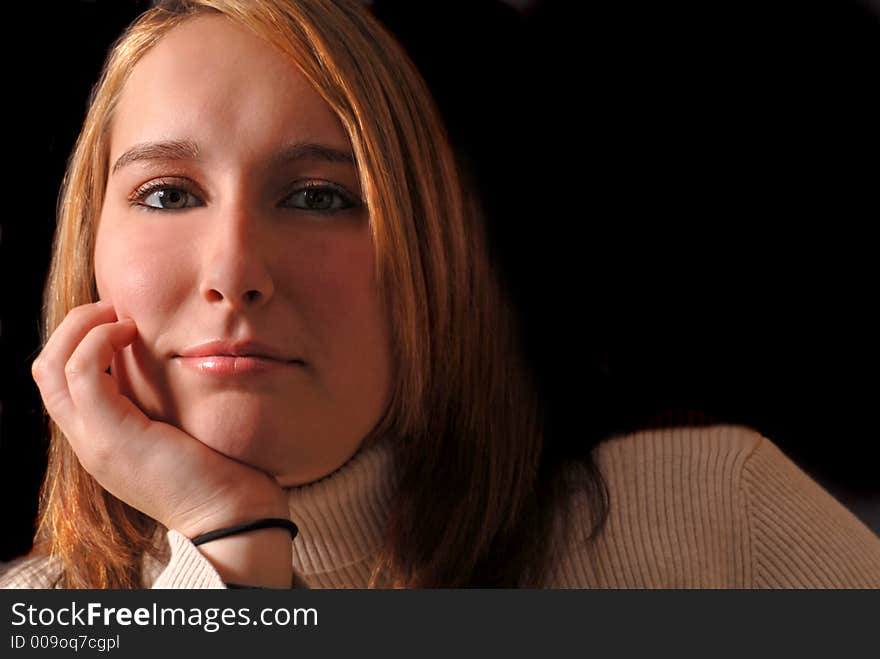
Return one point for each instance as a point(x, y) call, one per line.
point(189, 150)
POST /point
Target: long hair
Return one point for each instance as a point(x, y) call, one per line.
point(477, 491)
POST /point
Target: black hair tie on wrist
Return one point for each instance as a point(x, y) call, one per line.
point(269, 522)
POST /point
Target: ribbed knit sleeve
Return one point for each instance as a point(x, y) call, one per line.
point(188, 567)
point(29, 572)
point(799, 535)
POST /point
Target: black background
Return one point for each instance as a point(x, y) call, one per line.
point(683, 197)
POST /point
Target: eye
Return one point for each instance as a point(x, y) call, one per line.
point(164, 197)
point(170, 198)
point(321, 198)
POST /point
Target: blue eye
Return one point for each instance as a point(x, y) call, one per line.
point(169, 198)
point(165, 196)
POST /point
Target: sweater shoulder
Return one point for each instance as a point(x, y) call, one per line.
point(673, 519)
point(712, 507)
point(30, 571)
point(800, 535)
point(678, 452)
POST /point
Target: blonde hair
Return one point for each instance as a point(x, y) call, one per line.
point(465, 416)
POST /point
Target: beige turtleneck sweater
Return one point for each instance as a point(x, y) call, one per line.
point(693, 507)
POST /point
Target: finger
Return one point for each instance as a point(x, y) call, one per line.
point(69, 333)
point(48, 368)
point(94, 398)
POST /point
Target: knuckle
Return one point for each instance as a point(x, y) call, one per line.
point(73, 369)
point(82, 311)
point(37, 368)
point(74, 316)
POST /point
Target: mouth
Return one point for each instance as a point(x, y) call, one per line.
point(226, 365)
point(226, 357)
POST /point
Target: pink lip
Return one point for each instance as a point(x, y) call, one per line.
point(234, 349)
point(227, 358)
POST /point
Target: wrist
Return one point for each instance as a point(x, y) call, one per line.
point(234, 513)
point(260, 558)
point(254, 525)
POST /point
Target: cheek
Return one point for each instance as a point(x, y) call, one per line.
point(141, 281)
point(337, 286)
point(348, 325)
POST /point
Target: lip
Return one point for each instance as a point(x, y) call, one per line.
point(235, 349)
point(227, 358)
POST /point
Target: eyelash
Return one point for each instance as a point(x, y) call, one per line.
point(144, 191)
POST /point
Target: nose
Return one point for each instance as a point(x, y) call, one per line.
point(236, 266)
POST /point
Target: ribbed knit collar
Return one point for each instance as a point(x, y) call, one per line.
point(342, 517)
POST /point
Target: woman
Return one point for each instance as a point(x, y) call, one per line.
point(271, 299)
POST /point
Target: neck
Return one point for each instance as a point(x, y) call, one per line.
point(342, 518)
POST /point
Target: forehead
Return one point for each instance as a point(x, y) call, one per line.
point(213, 82)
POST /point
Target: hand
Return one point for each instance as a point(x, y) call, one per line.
point(153, 466)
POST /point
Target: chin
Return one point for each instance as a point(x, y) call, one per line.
point(240, 431)
point(262, 439)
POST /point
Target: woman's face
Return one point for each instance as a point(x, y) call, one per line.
point(215, 238)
